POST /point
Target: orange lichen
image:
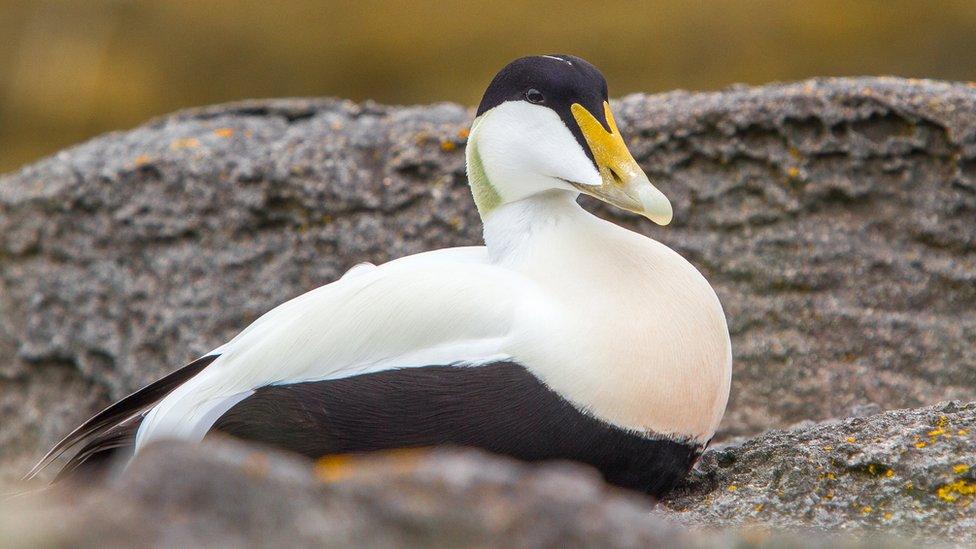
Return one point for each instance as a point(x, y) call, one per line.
point(141, 160)
point(463, 133)
point(333, 468)
point(185, 143)
point(448, 146)
point(224, 132)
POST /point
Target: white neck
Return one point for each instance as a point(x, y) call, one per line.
point(634, 333)
point(509, 228)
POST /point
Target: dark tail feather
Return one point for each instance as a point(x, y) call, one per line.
point(102, 451)
point(117, 415)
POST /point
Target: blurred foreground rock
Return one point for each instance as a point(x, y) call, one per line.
point(225, 493)
point(229, 494)
point(899, 478)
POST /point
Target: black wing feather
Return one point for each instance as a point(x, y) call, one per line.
point(121, 411)
point(93, 461)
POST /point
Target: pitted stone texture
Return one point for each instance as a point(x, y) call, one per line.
point(910, 473)
point(835, 218)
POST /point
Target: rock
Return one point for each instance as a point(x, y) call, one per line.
point(906, 472)
point(834, 218)
point(229, 494)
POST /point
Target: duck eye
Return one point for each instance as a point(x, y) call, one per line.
point(535, 96)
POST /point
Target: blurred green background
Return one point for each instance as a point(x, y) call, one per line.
point(70, 70)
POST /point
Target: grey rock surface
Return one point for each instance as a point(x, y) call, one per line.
point(229, 494)
point(835, 219)
point(910, 473)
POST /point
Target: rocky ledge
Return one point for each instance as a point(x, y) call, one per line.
point(905, 472)
point(836, 219)
point(891, 479)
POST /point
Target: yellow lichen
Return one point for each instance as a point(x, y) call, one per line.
point(889, 473)
point(866, 510)
point(758, 507)
point(920, 444)
point(732, 488)
point(950, 493)
point(793, 172)
point(828, 448)
point(960, 468)
point(940, 427)
point(887, 516)
point(962, 432)
point(852, 440)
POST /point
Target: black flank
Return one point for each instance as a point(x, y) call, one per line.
point(501, 408)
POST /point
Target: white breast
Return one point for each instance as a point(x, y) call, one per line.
point(635, 334)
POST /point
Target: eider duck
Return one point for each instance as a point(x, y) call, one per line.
point(564, 337)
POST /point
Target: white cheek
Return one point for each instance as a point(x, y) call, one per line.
point(528, 149)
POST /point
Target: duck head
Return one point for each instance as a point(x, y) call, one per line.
point(545, 124)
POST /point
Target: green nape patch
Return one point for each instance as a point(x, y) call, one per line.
point(486, 197)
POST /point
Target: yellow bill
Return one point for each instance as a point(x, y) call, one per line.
point(625, 184)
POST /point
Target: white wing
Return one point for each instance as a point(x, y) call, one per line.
point(443, 307)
